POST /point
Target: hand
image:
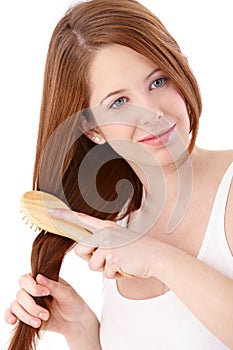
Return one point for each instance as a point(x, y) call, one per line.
point(131, 260)
point(112, 249)
point(69, 314)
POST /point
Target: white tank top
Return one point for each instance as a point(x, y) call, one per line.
point(164, 322)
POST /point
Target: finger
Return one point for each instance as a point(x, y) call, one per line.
point(84, 252)
point(111, 267)
point(69, 216)
point(98, 260)
point(28, 283)
point(30, 306)
point(84, 220)
point(9, 317)
point(110, 237)
point(109, 264)
point(95, 222)
point(24, 316)
point(62, 292)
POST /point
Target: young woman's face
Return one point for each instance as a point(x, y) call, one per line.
point(137, 108)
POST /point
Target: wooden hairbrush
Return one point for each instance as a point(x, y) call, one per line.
point(35, 205)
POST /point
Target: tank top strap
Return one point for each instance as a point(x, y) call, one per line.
point(216, 223)
point(222, 194)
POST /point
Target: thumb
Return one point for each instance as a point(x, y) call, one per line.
point(90, 223)
point(57, 289)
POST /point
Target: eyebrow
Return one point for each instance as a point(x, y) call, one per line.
point(152, 73)
point(111, 94)
point(123, 90)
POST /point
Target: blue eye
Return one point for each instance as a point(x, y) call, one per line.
point(118, 103)
point(158, 83)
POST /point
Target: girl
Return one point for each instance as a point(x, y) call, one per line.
point(121, 102)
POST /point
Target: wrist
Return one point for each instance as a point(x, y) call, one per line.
point(162, 258)
point(84, 341)
point(85, 333)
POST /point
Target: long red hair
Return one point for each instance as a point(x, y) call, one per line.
point(86, 28)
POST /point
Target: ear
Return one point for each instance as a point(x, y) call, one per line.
point(93, 134)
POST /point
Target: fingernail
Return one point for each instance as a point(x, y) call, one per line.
point(51, 211)
point(43, 316)
point(34, 323)
point(109, 257)
point(80, 214)
point(45, 293)
point(10, 320)
point(42, 279)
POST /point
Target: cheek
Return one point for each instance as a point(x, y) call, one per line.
point(120, 138)
point(179, 109)
point(180, 113)
point(176, 100)
point(117, 131)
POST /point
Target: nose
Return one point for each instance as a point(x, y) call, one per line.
point(149, 117)
point(149, 111)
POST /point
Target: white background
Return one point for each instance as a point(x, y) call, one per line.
point(204, 32)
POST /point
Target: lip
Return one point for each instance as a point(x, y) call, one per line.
point(160, 139)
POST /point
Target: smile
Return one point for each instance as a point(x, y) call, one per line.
point(160, 139)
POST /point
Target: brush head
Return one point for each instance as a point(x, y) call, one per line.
point(35, 205)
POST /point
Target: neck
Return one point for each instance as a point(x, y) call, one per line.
point(167, 186)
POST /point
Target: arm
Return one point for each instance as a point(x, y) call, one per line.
point(88, 338)
point(207, 293)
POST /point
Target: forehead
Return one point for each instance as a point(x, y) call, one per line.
point(114, 67)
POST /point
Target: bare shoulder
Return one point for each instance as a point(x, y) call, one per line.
point(218, 160)
point(213, 166)
point(226, 156)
